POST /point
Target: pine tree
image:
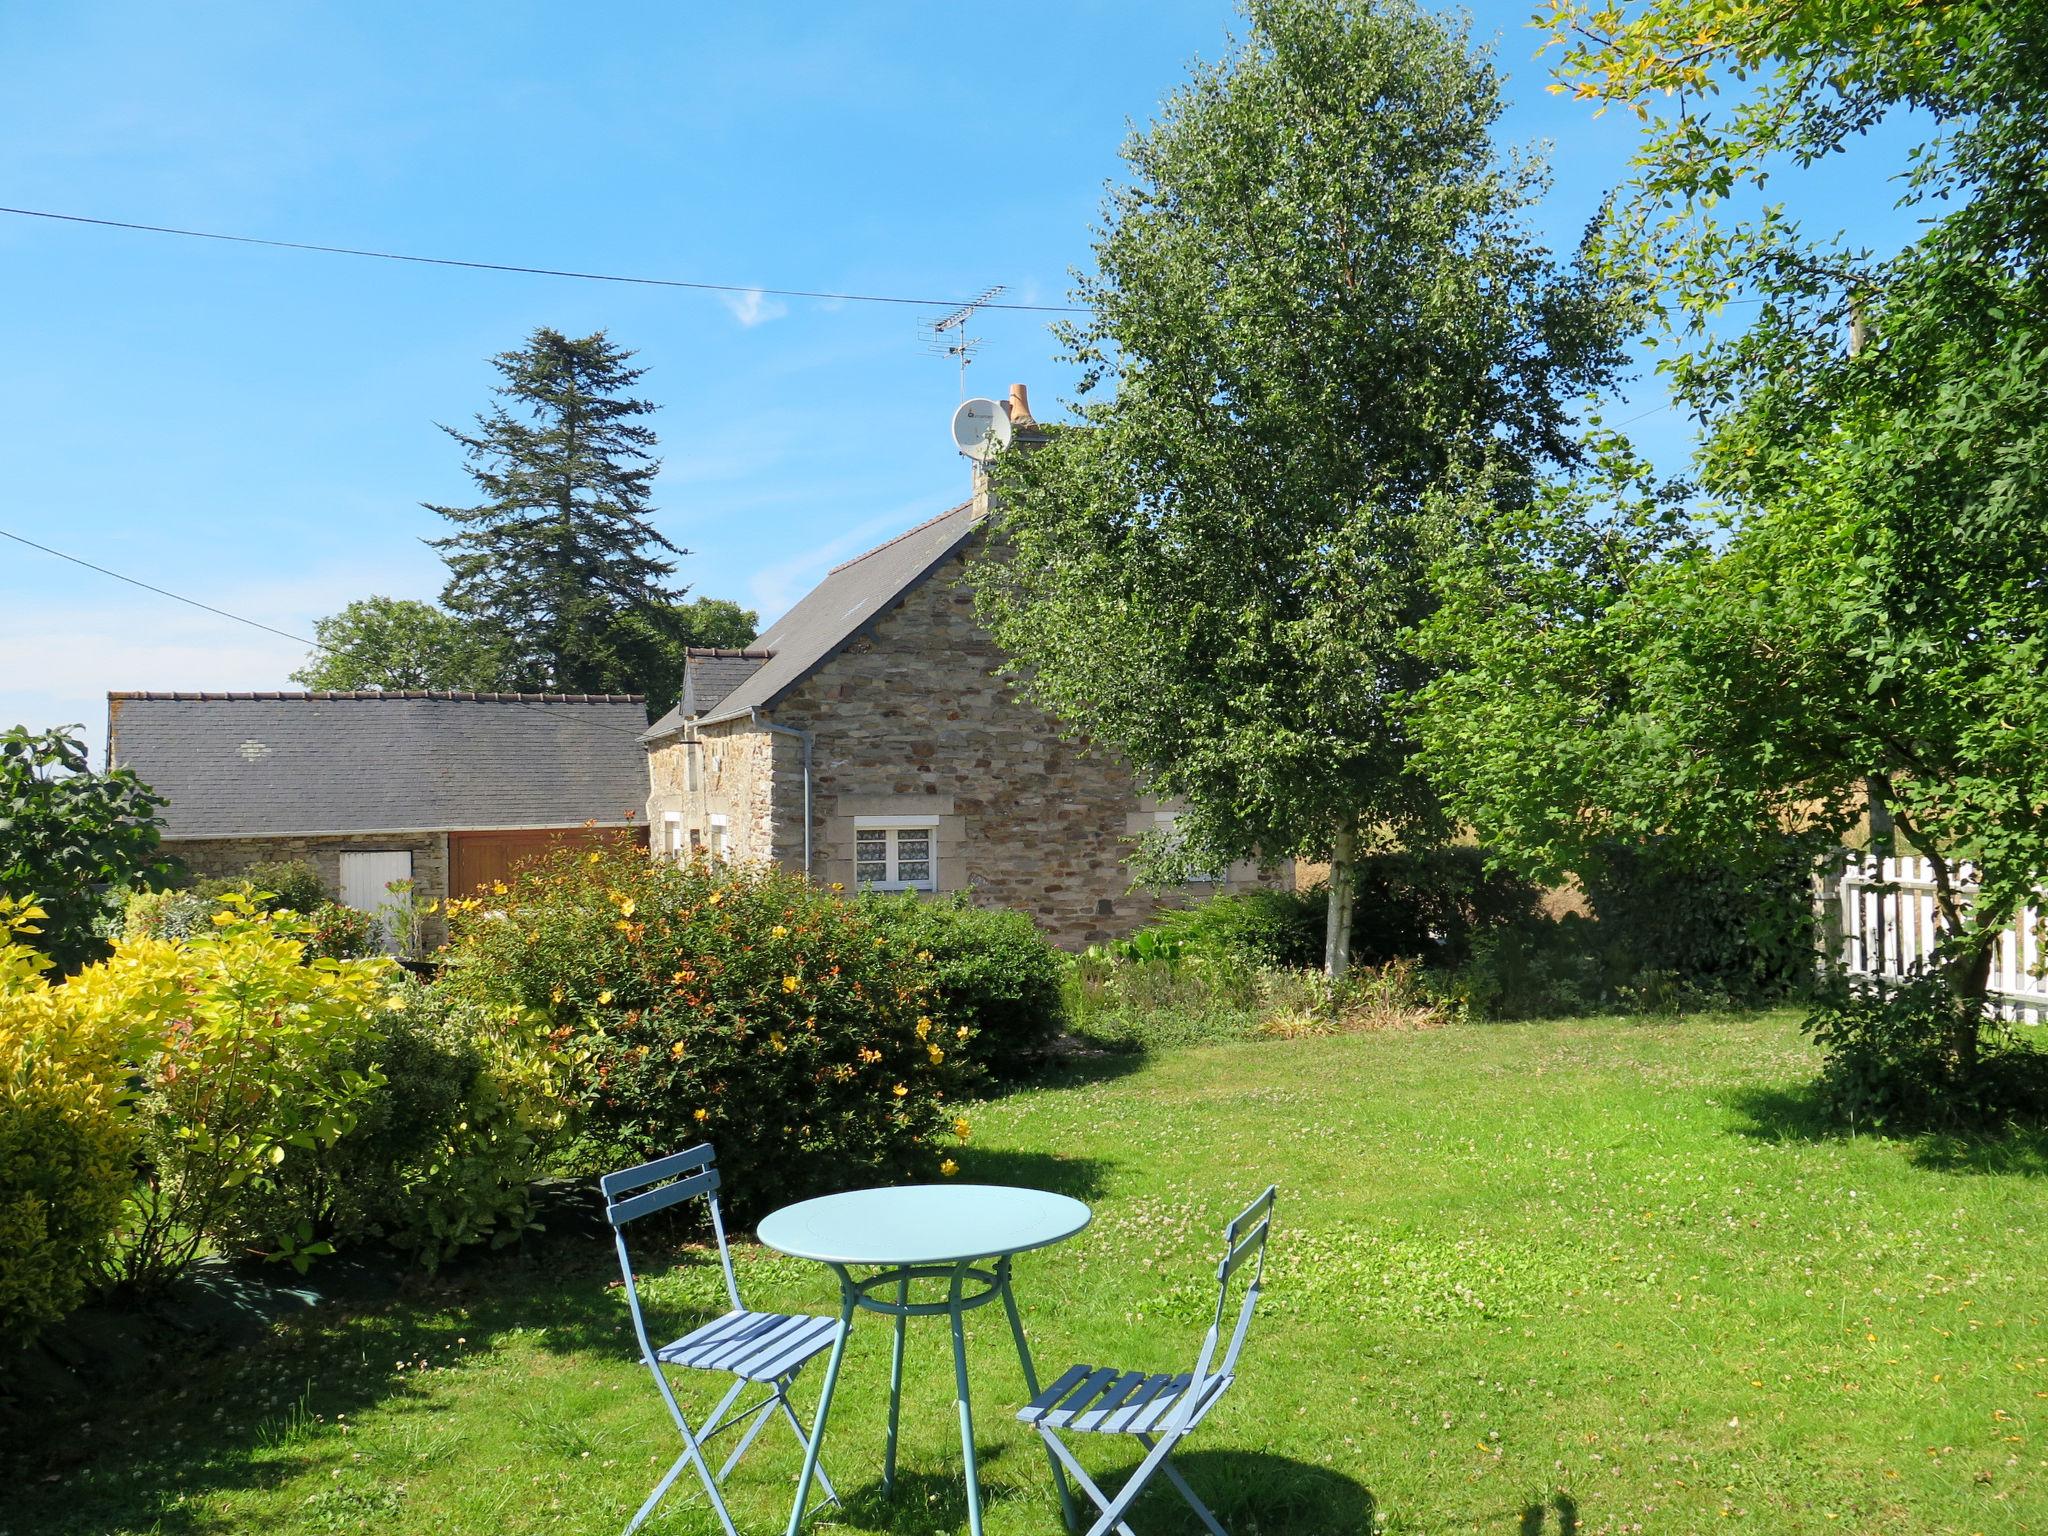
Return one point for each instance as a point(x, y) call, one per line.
point(559, 568)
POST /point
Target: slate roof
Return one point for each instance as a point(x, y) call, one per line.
point(833, 612)
point(710, 676)
point(300, 764)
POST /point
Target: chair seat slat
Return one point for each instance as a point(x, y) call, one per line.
point(1055, 1392)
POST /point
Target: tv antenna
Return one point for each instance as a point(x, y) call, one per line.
point(947, 337)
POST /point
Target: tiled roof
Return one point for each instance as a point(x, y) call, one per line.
point(277, 764)
point(834, 611)
point(709, 676)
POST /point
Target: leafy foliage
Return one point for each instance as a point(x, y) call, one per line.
point(1319, 306)
point(65, 1144)
point(394, 643)
point(1890, 1059)
point(1858, 633)
point(559, 569)
point(467, 1110)
point(737, 1005)
point(995, 973)
point(69, 835)
point(247, 1058)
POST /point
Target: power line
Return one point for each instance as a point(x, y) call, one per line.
point(506, 266)
point(283, 634)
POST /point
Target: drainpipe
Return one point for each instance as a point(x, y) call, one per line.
point(754, 719)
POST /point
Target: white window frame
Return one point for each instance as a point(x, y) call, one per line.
point(719, 841)
point(672, 834)
point(891, 828)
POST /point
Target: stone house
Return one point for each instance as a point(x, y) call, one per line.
point(870, 739)
point(447, 790)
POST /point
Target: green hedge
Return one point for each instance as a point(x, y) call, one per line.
point(995, 972)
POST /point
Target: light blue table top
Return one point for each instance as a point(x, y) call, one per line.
point(923, 1224)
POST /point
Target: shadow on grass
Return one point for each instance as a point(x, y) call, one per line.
point(184, 1423)
point(1537, 1518)
point(1797, 1114)
point(1252, 1492)
point(1081, 1177)
point(1081, 1063)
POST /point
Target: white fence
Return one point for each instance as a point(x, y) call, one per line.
point(1882, 913)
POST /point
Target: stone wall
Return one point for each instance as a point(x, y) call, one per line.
point(913, 718)
point(229, 856)
point(740, 770)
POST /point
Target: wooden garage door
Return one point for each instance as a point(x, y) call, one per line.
point(475, 859)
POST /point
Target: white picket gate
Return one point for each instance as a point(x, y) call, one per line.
point(1882, 912)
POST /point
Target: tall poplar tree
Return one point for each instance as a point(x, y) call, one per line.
point(558, 568)
point(1320, 313)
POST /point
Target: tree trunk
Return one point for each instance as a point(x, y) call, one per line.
point(1343, 895)
point(1970, 980)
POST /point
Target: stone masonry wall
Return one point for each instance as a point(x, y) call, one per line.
point(226, 856)
point(913, 718)
point(740, 769)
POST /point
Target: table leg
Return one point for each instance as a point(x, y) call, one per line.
point(1059, 1475)
point(895, 1387)
point(848, 1298)
point(966, 1406)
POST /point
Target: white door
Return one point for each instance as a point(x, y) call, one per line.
point(366, 878)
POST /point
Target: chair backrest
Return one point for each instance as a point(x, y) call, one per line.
point(631, 1193)
point(1244, 1245)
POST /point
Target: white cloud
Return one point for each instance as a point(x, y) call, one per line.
point(753, 307)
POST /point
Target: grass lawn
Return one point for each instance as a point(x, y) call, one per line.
point(1590, 1276)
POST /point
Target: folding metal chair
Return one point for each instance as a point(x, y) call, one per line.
point(1157, 1409)
point(761, 1348)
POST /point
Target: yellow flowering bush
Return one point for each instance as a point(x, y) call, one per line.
point(65, 1146)
point(741, 1006)
point(249, 1064)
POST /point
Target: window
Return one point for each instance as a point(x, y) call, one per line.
point(896, 853)
point(716, 842)
point(1168, 823)
point(672, 833)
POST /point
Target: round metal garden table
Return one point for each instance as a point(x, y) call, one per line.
point(960, 1235)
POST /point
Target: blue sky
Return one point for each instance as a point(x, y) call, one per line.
point(255, 428)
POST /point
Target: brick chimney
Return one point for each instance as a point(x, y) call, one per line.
point(1026, 433)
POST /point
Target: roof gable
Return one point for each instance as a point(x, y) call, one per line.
point(279, 764)
point(833, 612)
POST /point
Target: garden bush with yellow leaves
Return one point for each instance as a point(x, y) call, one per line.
point(249, 1062)
point(65, 1141)
point(736, 1005)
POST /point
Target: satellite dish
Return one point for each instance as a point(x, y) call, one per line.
point(981, 429)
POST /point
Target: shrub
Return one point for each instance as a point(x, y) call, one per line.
point(1127, 1002)
point(72, 836)
point(1434, 905)
point(444, 1152)
point(246, 1056)
point(292, 885)
point(1741, 936)
point(1256, 927)
point(65, 1147)
point(329, 930)
point(1889, 1058)
point(1430, 905)
point(995, 973)
point(737, 1005)
point(334, 932)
